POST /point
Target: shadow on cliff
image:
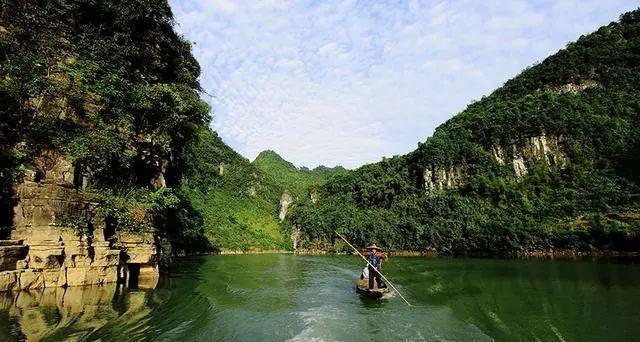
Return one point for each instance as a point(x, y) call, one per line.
point(185, 230)
point(6, 201)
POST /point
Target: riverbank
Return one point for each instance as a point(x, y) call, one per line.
point(257, 251)
point(550, 254)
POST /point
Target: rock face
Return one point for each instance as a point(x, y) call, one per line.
point(285, 202)
point(520, 157)
point(437, 178)
point(313, 195)
point(575, 88)
point(296, 234)
point(46, 250)
point(549, 149)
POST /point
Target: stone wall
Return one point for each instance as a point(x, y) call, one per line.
point(46, 250)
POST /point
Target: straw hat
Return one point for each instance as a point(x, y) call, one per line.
point(374, 247)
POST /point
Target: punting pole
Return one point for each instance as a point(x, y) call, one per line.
point(382, 275)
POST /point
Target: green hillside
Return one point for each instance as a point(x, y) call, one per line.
point(288, 176)
point(548, 161)
point(238, 202)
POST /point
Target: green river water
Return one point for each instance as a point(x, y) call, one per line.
point(312, 298)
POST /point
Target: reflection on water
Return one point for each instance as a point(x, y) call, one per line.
point(70, 313)
point(283, 297)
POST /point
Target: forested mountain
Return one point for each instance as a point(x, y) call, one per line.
point(288, 176)
point(239, 202)
point(548, 161)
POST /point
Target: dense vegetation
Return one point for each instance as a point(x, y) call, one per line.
point(110, 87)
point(239, 203)
point(297, 180)
point(238, 200)
point(587, 93)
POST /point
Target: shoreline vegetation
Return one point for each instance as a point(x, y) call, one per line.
point(559, 254)
point(548, 255)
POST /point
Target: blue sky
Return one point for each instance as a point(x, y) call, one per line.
point(348, 82)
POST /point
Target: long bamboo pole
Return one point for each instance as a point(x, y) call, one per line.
point(367, 261)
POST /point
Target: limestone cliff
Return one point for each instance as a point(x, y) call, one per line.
point(58, 239)
point(285, 201)
point(98, 102)
point(517, 157)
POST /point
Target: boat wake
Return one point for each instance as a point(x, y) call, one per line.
point(390, 295)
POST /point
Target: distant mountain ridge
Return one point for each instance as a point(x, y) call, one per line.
point(297, 180)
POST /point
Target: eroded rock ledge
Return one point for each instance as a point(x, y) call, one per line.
point(519, 157)
point(43, 251)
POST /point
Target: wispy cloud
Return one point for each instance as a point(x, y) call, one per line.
point(347, 82)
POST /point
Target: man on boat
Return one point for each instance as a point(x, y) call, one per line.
point(375, 259)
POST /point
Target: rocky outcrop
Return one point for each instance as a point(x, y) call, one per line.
point(12, 252)
point(296, 234)
point(551, 150)
point(58, 240)
point(155, 161)
point(140, 257)
point(574, 87)
point(548, 149)
point(313, 195)
point(285, 202)
point(437, 178)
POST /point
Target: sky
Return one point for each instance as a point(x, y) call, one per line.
point(347, 82)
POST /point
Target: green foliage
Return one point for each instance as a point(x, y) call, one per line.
point(99, 80)
point(135, 210)
point(238, 202)
point(111, 86)
point(297, 180)
point(588, 94)
point(235, 222)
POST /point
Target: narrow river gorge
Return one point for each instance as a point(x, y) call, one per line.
point(287, 297)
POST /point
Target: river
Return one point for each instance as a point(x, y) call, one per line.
point(312, 298)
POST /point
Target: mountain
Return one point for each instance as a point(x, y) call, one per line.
point(239, 203)
point(288, 176)
point(549, 161)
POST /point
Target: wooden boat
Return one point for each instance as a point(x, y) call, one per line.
point(362, 287)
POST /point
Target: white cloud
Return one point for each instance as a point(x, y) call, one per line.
point(346, 82)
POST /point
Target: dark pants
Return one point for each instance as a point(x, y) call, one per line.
point(373, 273)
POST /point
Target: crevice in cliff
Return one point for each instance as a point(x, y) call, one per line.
point(133, 276)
